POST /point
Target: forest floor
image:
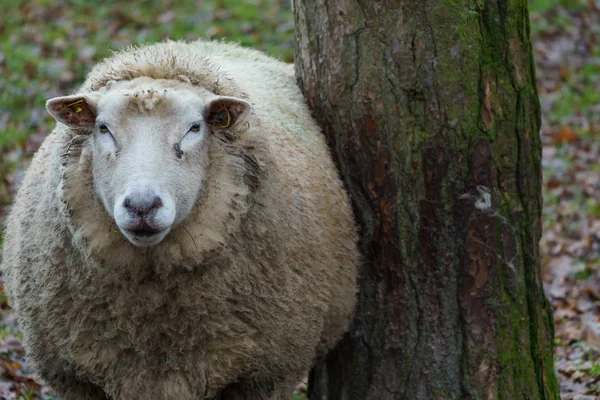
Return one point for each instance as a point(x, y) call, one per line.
point(46, 47)
point(566, 46)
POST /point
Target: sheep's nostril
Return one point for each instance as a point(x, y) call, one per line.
point(142, 206)
point(157, 203)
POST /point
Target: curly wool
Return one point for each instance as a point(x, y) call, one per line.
point(242, 296)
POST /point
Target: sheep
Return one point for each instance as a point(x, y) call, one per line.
point(182, 233)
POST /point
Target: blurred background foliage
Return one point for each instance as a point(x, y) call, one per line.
point(566, 46)
point(48, 46)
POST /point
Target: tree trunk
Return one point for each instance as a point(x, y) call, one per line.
point(432, 114)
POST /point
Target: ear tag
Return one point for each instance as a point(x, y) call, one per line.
point(220, 117)
point(77, 109)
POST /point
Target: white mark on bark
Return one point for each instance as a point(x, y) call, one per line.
point(483, 202)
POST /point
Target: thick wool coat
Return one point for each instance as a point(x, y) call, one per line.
point(247, 291)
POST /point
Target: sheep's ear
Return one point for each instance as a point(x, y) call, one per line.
point(225, 113)
point(77, 111)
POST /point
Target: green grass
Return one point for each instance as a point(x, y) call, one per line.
point(27, 396)
point(573, 100)
point(544, 5)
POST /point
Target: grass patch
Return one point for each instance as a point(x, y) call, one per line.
point(545, 5)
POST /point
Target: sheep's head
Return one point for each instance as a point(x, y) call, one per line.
point(150, 141)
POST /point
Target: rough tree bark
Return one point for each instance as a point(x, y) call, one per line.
point(431, 111)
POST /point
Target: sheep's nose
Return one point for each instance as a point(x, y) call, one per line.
point(142, 206)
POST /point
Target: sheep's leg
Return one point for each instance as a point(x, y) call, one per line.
point(264, 390)
point(82, 391)
point(70, 388)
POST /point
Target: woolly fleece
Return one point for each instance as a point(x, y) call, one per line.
point(238, 299)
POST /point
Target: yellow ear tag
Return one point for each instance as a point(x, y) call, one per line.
point(77, 109)
point(228, 120)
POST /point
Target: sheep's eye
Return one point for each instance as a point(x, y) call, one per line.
point(195, 128)
point(103, 128)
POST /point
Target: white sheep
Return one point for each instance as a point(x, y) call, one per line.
point(182, 232)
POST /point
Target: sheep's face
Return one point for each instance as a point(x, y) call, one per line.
point(150, 149)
